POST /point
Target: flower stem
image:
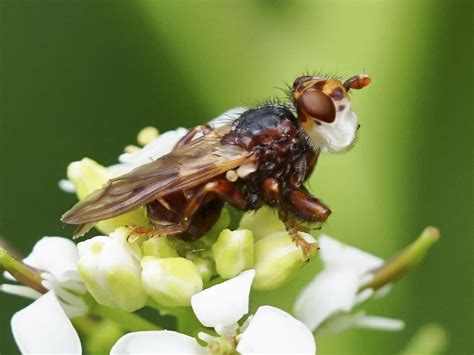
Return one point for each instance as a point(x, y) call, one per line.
point(20, 271)
point(85, 325)
point(429, 339)
point(127, 321)
point(407, 259)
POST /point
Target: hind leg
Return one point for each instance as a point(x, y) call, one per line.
point(192, 217)
point(207, 203)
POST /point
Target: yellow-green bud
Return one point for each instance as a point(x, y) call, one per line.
point(111, 272)
point(147, 135)
point(222, 223)
point(205, 266)
point(277, 259)
point(122, 235)
point(87, 176)
point(262, 222)
point(172, 281)
point(233, 252)
point(160, 247)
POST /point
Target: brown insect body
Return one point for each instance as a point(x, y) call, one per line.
point(279, 153)
point(264, 157)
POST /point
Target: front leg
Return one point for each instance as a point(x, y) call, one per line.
point(306, 207)
point(273, 196)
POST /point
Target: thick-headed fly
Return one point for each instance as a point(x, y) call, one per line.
point(261, 158)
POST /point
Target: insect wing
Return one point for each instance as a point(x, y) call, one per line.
point(183, 168)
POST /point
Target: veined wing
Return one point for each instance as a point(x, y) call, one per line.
point(183, 168)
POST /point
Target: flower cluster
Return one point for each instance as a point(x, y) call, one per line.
point(112, 275)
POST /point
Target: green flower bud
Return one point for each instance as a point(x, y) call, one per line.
point(87, 176)
point(277, 259)
point(147, 135)
point(160, 247)
point(111, 273)
point(262, 222)
point(205, 266)
point(221, 224)
point(233, 252)
point(122, 235)
point(172, 281)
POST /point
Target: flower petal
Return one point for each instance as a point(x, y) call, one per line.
point(343, 322)
point(55, 255)
point(43, 327)
point(156, 149)
point(379, 323)
point(226, 117)
point(225, 303)
point(331, 291)
point(67, 186)
point(338, 255)
point(272, 330)
point(157, 342)
point(22, 291)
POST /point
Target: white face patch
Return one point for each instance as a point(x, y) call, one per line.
point(336, 136)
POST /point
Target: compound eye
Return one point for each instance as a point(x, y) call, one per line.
point(318, 105)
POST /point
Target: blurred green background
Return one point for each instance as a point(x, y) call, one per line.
point(81, 78)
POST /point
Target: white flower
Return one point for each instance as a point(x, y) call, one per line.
point(224, 304)
point(157, 342)
point(227, 117)
point(273, 331)
point(270, 330)
point(158, 147)
point(336, 290)
point(56, 258)
point(43, 327)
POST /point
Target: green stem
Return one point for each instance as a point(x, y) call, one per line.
point(430, 339)
point(20, 271)
point(127, 321)
point(85, 325)
point(407, 259)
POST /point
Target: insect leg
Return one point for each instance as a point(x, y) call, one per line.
point(188, 137)
point(272, 194)
point(223, 189)
point(305, 206)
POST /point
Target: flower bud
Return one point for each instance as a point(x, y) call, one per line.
point(221, 224)
point(122, 235)
point(172, 281)
point(147, 135)
point(233, 252)
point(87, 176)
point(111, 273)
point(262, 222)
point(160, 247)
point(277, 259)
point(205, 266)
